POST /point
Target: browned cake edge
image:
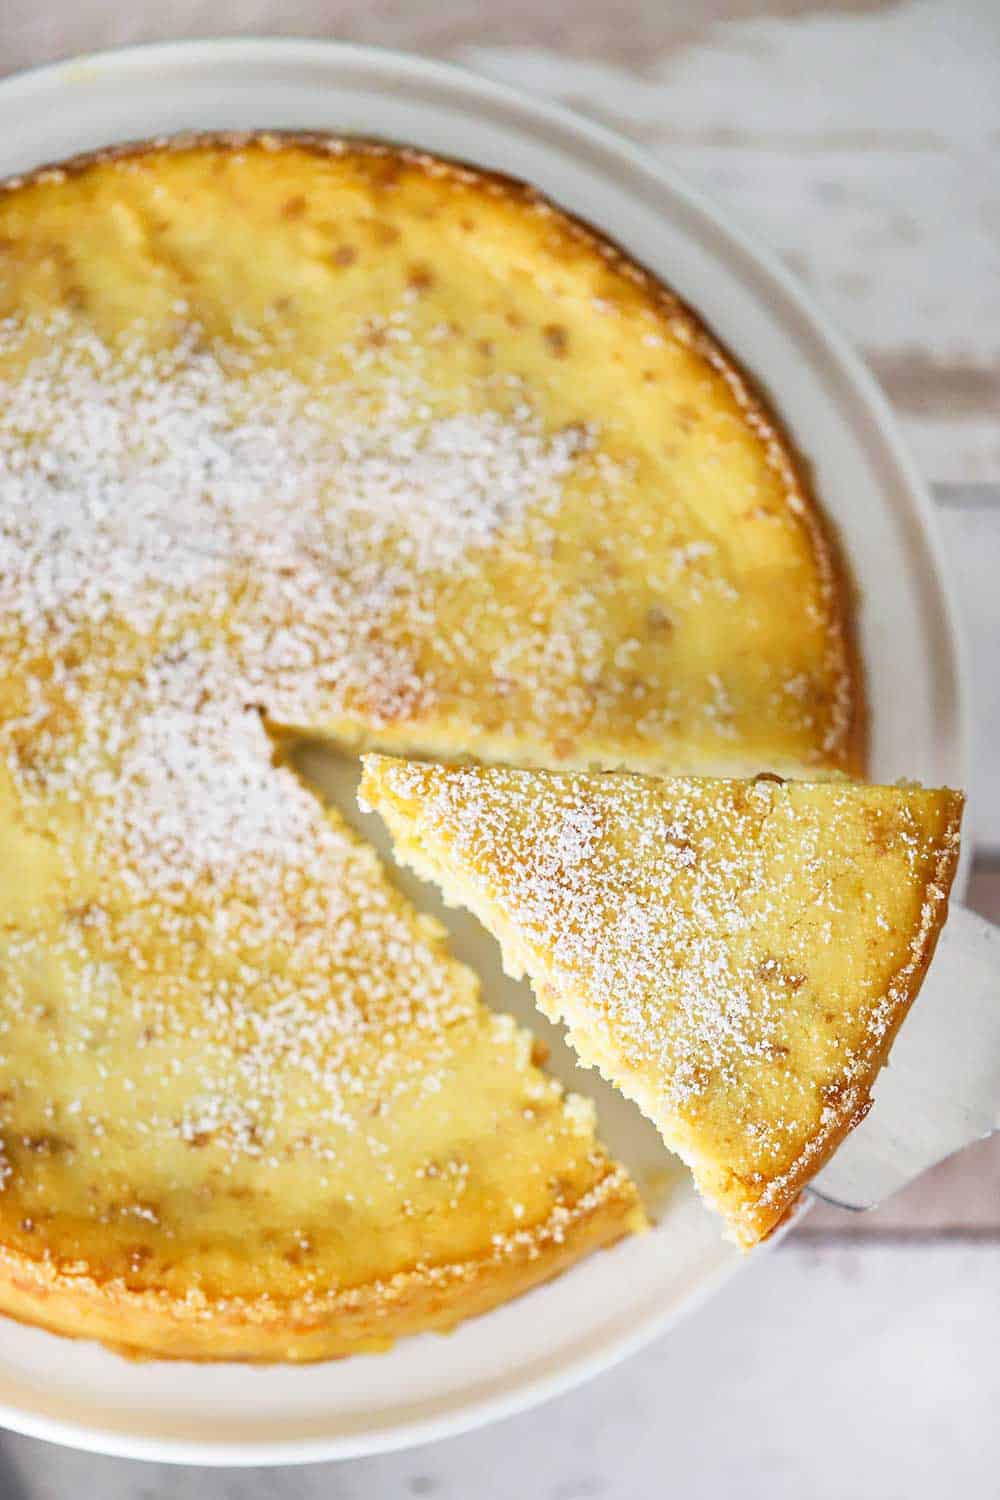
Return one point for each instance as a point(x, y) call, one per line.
point(759, 409)
point(152, 1322)
point(754, 1221)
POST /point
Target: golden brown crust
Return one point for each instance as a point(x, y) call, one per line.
point(153, 1323)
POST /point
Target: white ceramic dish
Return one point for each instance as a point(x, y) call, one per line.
point(558, 1335)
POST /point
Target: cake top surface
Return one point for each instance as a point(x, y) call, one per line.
point(435, 465)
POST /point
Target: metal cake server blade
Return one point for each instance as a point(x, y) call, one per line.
point(941, 1088)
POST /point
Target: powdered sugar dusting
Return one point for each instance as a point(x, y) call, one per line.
point(589, 869)
point(191, 538)
point(129, 478)
point(733, 954)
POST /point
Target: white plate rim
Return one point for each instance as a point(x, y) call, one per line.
point(888, 451)
point(113, 1443)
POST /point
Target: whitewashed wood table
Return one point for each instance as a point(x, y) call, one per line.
point(860, 139)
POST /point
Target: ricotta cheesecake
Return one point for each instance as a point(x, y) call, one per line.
point(303, 436)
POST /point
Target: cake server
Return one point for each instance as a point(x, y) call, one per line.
point(941, 1088)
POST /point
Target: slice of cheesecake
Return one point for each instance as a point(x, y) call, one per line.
point(736, 956)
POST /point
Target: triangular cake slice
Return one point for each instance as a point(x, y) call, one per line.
point(736, 956)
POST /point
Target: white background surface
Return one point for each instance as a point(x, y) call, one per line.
point(859, 1359)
